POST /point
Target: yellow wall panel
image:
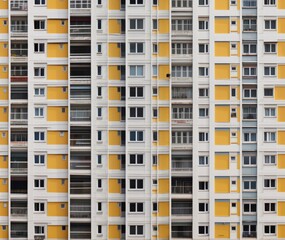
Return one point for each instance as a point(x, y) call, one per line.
point(57, 26)
point(281, 71)
point(222, 114)
point(281, 137)
point(114, 50)
point(3, 185)
point(281, 4)
point(3, 138)
point(163, 26)
point(163, 138)
point(114, 93)
point(222, 71)
point(57, 161)
point(57, 93)
point(3, 93)
point(4, 49)
point(281, 25)
point(222, 209)
point(3, 161)
point(57, 232)
point(222, 185)
point(114, 186)
point(222, 92)
point(4, 232)
point(114, 232)
point(57, 114)
point(4, 209)
point(57, 4)
point(114, 73)
point(163, 5)
point(222, 137)
point(221, 161)
point(163, 70)
point(222, 25)
point(281, 49)
point(57, 50)
point(222, 231)
point(163, 231)
point(114, 26)
point(163, 209)
point(114, 162)
point(57, 209)
point(114, 114)
point(57, 72)
point(4, 114)
point(114, 209)
point(114, 4)
point(163, 93)
point(281, 208)
point(114, 137)
point(222, 5)
point(163, 186)
point(281, 231)
point(57, 137)
point(164, 114)
point(3, 4)
point(281, 161)
point(222, 49)
point(3, 26)
point(57, 185)
point(281, 184)
point(279, 93)
point(3, 72)
point(281, 114)
point(163, 162)
point(163, 48)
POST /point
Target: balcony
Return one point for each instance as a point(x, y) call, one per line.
point(19, 167)
point(19, 5)
point(80, 92)
point(80, 208)
point(181, 165)
point(19, 185)
point(80, 27)
point(249, 234)
point(19, 27)
point(19, 92)
point(181, 208)
point(181, 4)
point(80, 115)
point(80, 230)
point(249, 3)
point(80, 161)
point(19, 229)
point(80, 50)
point(80, 137)
point(181, 230)
point(249, 27)
point(19, 116)
point(80, 4)
point(19, 208)
point(19, 51)
point(80, 72)
point(80, 184)
point(181, 185)
point(182, 93)
point(19, 138)
point(19, 73)
point(249, 113)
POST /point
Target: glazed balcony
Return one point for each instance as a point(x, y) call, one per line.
point(19, 5)
point(80, 4)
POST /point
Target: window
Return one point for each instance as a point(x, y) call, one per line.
point(39, 159)
point(182, 113)
point(203, 230)
point(203, 2)
point(249, 48)
point(270, 2)
point(269, 207)
point(39, 72)
point(203, 207)
point(39, 24)
point(181, 25)
point(181, 3)
point(203, 48)
point(99, 48)
point(136, 207)
point(203, 137)
point(203, 71)
point(136, 24)
point(154, 113)
point(269, 230)
point(99, 207)
point(136, 2)
point(249, 160)
point(270, 159)
point(154, 160)
point(269, 183)
point(203, 24)
point(136, 159)
point(249, 185)
point(39, 111)
point(154, 136)
point(181, 71)
point(39, 92)
point(136, 112)
point(270, 71)
point(154, 207)
point(270, 112)
point(269, 136)
point(99, 24)
point(99, 136)
point(203, 185)
point(181, 137)
point(99, 159)
point(154, 24)
point(249, 71)
point(99, 71)
point(203, 112)
point(249, 25)
point(154, 48)
point(136, 71)
point(181, 48)
point(99, 229)
point(99, 91)
point(136, 92)
point(249, 137)
point(136, 230)
point(203, 160)
point(270, 24)
point(270, 47)
point(39, 183)
point(99, 112)
point(203, 92)
point(249, 230)
point(136, 47)
point(39, 47)
point(268, 92)
point(39, 230)
point(249, 208)
point(154, 70)
point(136, 184)
point(249, 93)
point(39, 136)
point(99, 183)
point(136, 136)
point(40, 2)
point(39, 207)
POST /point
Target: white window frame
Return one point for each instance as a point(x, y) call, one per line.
point(270, 71)
point(137, 134)
point(136, 112)
point(136, 181)
point(136, 71)
point(270, 137)
point(271, 25)
point(137, 206)
point(39, 183)
point(40, 133)
point(136, 156)
point(272, 230)
point(271, 206)
point(40, 205)
point(136, 47)
point(136, 230)
point(204, 160)
point(250, 189)
point(270, 47)
point(40, 111)
point(269, 183)
point(39, 92)
point(270, 112)
point(41, 159)
point(136, 21)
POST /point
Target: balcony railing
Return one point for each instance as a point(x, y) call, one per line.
point(39, 237)
point(19, 211)
point(181, 211)
point(15, 28)
point(19, 137)
point(249, 27)
point(19, 117)
point(80, 211)
point(80, 234)
point(181, 189)
point(80, 188)
point(80, 142)
point(249, 3)
point(80, 4)
point(19, 234)
point(181, 165)
point(249, 234)
point(19, 167)
point(19, 5)
point(19, 95)
point(181, 234)
point(249, 116)
point(80, 30)
point(22, 52)
point(80, 165)
point(80, 115)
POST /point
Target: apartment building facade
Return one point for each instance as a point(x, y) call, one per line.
point(142, 119)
